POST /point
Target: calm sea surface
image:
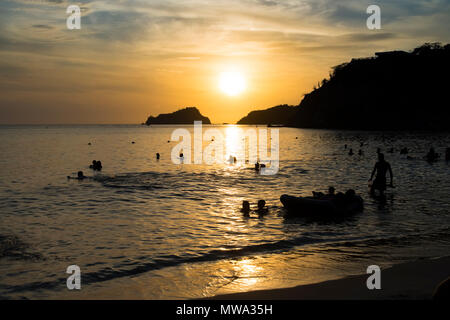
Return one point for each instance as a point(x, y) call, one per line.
point(152, 229)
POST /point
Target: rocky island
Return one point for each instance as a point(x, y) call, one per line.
point(182, 116)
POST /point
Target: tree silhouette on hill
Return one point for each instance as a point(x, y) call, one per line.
point(394, 90)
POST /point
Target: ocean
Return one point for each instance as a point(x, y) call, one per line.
point(144, 228)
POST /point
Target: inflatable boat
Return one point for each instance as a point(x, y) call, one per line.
point(324, 206)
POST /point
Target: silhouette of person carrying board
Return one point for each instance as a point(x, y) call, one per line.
point(381, 168)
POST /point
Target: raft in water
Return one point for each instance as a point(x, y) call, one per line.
point(307, 206)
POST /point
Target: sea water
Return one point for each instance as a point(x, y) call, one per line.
point(148, 228)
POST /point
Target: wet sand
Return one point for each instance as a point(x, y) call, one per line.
point(412, 280)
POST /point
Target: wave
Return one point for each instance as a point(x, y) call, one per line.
point(303, 242)
point(172, 180)
point(12, 247)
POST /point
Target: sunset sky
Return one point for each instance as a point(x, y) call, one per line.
point(133, 58)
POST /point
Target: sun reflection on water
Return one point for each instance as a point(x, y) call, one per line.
point(232, 141)
point(249, 273)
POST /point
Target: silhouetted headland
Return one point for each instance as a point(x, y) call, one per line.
point(182, 116)
point(279, 115)
point(393, 90)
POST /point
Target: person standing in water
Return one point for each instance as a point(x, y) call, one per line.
point(381, 168)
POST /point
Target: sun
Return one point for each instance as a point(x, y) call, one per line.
point(232, 83)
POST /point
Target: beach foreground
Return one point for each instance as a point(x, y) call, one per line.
point(412, 280)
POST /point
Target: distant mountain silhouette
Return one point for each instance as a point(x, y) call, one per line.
point(276, 115)
point(182, 116)
point(394, 90)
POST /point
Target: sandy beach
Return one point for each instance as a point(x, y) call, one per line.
point(412, 280)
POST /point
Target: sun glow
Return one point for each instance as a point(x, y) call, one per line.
point(232, 83)
point(232, 141)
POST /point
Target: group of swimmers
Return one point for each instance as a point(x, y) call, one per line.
point(261, 210)
point(433, 156)
point(360, 152)
point(340, 198)
point(96, 165)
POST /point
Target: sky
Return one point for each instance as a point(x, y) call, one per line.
point(135, 58)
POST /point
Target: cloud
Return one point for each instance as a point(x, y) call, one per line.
point(42, 26)
point(268, 3)
point(124, 26)
point(368, 36)
point(10, 71)
point(131, 45)
point(28, 45)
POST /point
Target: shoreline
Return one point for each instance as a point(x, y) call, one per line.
point(405, 281)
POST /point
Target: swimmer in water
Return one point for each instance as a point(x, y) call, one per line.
point(432, 155)
point(93, 165)
point(96, 165)
point(80, 176)
point(261, 207)
point(245, 208)
point(99, 166)
point(331, 191)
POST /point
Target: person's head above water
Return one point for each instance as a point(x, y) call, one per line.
point(350, 193)
point(261, 204)
point(331, 190)
point(245, 206)
point(381, 156)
